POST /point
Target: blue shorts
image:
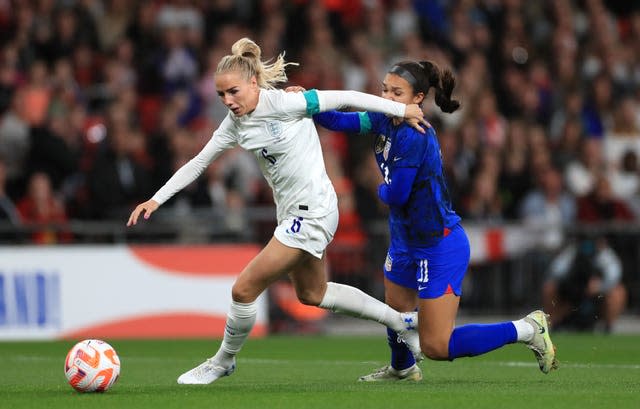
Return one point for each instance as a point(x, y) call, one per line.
point(432, 271)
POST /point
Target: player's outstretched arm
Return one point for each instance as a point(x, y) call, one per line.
point(328, 100)
point(349, 121)
point(187, 173)
point(145, 209)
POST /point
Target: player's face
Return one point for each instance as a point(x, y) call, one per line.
point(238, 94)
point(398, 89)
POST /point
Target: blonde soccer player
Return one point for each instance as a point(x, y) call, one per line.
point(277, 128)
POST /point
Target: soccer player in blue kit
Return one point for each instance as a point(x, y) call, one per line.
point(429, 250)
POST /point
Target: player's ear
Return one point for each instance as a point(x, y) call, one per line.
point(418, 98)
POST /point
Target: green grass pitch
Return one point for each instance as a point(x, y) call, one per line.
point(305, 372)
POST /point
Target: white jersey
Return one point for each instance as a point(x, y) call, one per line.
point(283, 137)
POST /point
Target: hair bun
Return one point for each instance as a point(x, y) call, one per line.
point(245, 47)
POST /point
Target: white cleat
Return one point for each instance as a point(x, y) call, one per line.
point(206, 372)
point(541, 344)
point(389, 374)
point(410, 336)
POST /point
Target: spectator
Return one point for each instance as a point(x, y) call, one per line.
point(625, 133)
point(565, 150)
point(66, 33)
point(596, 113)
point(515, 177)
point(9, 215)
point(44, 212)
point(143, 33)
point(601, 205)
point(491, 123)
point(549, 207)
point(52, 150)
point(178, 63)
point(569, 110)
point(625, 178)
point(15, 145)
point(483, 202)
point(580, 174)
point(116, 180)
point(112, 23)
point(584, 283)
point(35, 96)
point(9, 77)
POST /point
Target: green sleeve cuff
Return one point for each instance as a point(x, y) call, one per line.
point(365, 122)
point(313, 104)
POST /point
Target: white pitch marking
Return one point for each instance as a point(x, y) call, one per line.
point(270, 361)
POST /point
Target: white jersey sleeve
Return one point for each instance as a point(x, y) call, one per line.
point(320, 101)
point(221, 140)
point(308, 103)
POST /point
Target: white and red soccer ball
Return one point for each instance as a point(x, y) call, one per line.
point(92, 365)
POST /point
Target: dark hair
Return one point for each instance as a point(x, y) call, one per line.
point(426, 74)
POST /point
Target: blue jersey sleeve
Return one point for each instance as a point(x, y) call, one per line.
point(397, 192)
point(339, 121)
point(361, 122)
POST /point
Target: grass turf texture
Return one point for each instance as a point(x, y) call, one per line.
point(284, 372)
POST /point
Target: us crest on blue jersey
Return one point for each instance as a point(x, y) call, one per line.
point(274, 128)
point(380, 143)
point(387, 147)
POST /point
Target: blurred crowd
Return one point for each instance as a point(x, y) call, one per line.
point(102, 100)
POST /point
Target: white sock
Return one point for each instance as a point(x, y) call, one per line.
point(349, 300)
point(524, 330)
point(240, 320)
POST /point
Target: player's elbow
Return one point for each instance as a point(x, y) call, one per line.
point(391, 195)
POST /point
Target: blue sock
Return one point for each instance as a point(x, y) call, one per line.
point(401, 357)
point(477, 339)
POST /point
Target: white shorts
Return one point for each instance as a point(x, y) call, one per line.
point(310, 235)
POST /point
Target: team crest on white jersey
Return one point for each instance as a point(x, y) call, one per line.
point(275, 128)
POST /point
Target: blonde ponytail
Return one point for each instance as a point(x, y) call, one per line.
point(245, 57)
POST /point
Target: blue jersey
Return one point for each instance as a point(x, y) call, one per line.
point(420, 222)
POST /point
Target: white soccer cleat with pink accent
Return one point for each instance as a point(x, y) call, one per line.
point(206, 373)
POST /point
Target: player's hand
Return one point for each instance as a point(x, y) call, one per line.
point(294, 88)
point(147, 208)
point(414, 116)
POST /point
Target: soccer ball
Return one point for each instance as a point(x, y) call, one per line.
point(92, 365)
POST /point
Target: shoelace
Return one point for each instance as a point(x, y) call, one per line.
point(382, 370)
point(204, 367)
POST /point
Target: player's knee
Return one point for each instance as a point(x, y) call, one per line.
point(309, 297)
point(242, 293)
point(435, 349)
